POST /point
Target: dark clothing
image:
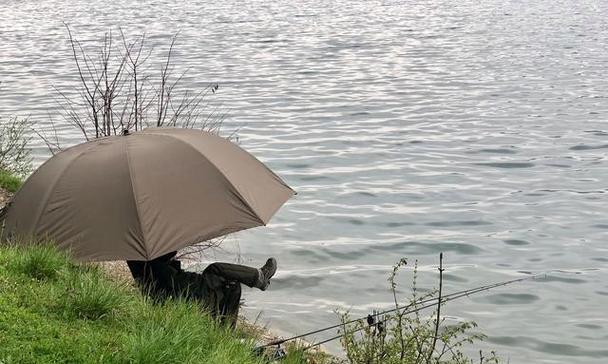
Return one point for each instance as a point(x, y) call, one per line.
point(217, 288)
point(233, 272)
point(156, 277)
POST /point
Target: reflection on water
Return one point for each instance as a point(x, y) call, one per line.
point(408, 128)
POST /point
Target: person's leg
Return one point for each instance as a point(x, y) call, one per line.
point(251, 277)
point(234, 272)
point(230, 303)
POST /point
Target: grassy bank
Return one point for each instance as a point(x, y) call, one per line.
point(9, 182)
point(55, 311)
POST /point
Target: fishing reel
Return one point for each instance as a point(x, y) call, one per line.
point(378, 325)
point(270, 353)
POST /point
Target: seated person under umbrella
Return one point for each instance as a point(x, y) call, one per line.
point(218, 288)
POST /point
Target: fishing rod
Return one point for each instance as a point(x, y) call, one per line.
point(428, 302)
point(431, 302)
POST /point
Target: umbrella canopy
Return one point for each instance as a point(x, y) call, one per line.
point(140, 196)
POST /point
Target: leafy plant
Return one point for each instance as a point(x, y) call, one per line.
point(15, 155)
point(397, 338)
point(9, 182)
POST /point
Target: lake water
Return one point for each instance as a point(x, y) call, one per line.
point(409, 128)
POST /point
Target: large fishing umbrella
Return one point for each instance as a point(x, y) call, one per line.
point(142, 195)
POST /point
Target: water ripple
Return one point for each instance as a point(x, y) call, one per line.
point(477, 129)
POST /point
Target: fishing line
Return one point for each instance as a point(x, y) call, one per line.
point(429, 302)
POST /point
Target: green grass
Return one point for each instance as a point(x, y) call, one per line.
point(55, 311)
point(9, 182)
point(39, 262)
point(91, 296)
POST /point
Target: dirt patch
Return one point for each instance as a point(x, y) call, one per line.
point(5, 196)
point(118, 270)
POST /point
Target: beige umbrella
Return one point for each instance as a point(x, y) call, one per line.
point(143, 195)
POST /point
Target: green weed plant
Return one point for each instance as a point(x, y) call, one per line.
point(15, 156)
point(397, 338)
point(9, 182)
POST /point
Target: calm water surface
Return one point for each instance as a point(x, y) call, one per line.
point(408, 128)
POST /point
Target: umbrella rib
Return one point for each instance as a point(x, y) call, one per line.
point(141, 227)
point(236, 190)
point(47, 197)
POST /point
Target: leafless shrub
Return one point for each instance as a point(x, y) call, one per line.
point(117, 90)
point(395, 337)
point(197, 252)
